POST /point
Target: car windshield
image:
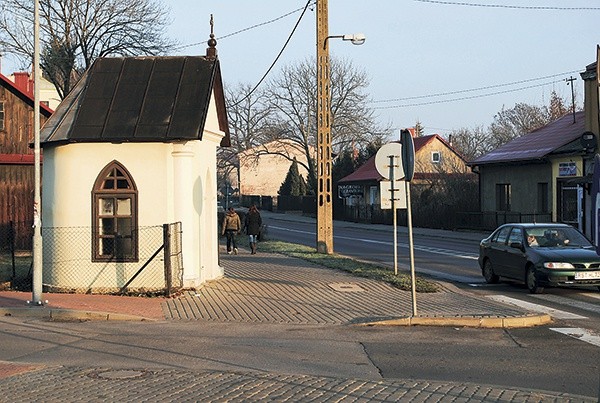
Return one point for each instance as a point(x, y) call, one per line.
point(551, 237)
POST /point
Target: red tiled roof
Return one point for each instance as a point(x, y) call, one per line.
point(538, 143)
point(7, 82)
point(368, 172)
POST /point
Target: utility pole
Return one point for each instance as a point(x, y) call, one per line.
point(324, 199)
point(570, 82)
point(37, 206)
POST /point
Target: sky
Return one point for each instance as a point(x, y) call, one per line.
point(470, 50)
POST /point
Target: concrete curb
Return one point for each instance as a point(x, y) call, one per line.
point(70, 314)
point(472, 321)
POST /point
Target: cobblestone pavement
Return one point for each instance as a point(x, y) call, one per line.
point(271, 288)
point(70, 384)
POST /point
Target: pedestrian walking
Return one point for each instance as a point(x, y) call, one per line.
point(253, 225)
point(230, 227)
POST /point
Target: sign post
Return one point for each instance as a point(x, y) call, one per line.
point(408, 164)
point(389, 165)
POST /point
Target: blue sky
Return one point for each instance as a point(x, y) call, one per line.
point(414, 49)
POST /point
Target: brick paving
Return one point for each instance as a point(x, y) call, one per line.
point(271, 288)
point(70, 384)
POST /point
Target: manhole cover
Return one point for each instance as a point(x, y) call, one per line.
point(119, 374)
point(346, 287)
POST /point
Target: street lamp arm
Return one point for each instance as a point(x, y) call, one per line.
point(356, 39)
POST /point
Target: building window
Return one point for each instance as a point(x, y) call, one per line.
point(1, 115)
point(542, 197)
point(436, 157)
point(115, 215)
point(503, 197)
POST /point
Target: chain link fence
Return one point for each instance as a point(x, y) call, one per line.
point(68, 266)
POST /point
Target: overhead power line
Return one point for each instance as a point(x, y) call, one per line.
point(442, 101)
point(245, 29)
point(473, 89)
point(278, 55)
point(457, 3)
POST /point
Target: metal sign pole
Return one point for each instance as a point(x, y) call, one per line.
point(411, 250)
point(392, 190)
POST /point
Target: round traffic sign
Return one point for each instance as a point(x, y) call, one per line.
point(382, 161)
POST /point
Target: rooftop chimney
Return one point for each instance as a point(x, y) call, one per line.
point(23, 82)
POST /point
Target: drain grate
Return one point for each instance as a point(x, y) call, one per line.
point(346, 287)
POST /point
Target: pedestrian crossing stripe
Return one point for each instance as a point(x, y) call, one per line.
point(579, 334)
point(555, 313)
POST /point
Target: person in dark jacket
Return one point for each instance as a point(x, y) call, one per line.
point(230, 227)
point(253, 224)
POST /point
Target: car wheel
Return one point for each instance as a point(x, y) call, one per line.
point(488, 273)
point(532, 282)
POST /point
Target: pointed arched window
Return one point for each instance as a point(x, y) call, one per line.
point(114, 225)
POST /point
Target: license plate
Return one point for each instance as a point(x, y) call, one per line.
point(586, 275)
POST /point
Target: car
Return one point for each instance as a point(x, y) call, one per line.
point(539, 255)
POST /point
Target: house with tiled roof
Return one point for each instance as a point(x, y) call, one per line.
point(434, 158)
point(16, 160)
point(544, 175)
point(536, 177)
point(129, 152)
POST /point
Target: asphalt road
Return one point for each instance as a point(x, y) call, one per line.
point(534, 358)
point(443, 258)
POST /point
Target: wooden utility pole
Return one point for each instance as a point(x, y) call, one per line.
point(324, 199)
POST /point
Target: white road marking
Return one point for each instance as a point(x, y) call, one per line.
point(555, 313)
point(586, 306)
point(592, 294)
point(579, 334)
point(438, 251)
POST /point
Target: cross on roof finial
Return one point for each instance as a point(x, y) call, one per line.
point(212, 42)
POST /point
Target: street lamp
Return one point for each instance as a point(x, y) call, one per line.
point(356, 39)
point(324, 164)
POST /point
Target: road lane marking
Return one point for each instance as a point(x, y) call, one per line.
point(579, 334)
point(438, 251)
point(555, 313)
point(586, 306)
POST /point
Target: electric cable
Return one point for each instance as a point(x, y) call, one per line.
point(276, 58)
point(473, 89)
point(456, 3)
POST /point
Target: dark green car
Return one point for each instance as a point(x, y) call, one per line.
point(539, 255)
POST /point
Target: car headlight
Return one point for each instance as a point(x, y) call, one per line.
point(558, 265)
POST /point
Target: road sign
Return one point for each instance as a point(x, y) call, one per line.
point(382, 160)
point(385, 195)
point(408, 154)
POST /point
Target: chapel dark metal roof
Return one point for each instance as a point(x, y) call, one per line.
point(538, 143)
point(140, 99)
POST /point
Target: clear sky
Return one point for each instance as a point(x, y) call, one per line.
point(415, 49)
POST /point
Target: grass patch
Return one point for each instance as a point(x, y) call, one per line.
point(354, 267)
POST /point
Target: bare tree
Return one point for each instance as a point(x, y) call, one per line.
point(73, 33)
point(511, 123)
point(293, 95)
point(248, 114)
point(470, 142)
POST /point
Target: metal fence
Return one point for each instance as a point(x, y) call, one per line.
point(68, 266)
